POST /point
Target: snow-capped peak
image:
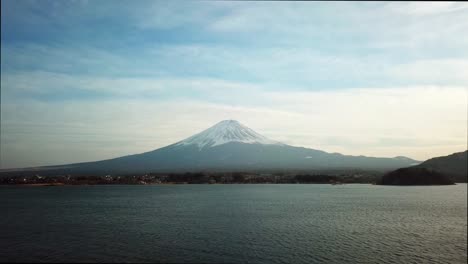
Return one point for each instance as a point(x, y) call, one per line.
point(224, 132)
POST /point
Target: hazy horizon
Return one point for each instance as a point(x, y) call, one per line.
point(92, 80)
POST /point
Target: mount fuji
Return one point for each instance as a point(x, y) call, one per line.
point(225, 132)
point(229, 145)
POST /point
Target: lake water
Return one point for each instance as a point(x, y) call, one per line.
point(234, 223)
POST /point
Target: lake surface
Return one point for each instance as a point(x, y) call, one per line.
point(234, 223)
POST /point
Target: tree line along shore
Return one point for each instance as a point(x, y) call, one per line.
point(403, 176)
point(194, 178)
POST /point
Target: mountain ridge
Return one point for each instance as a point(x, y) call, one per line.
point(229, 145)
point(455, 165)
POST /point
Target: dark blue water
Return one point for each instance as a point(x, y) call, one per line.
point(234, 223)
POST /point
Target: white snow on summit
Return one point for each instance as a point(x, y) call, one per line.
point(224, 132)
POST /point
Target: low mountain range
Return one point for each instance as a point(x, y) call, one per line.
point(227, 146)
point(436, 171)
point(455, 166)
point(415, 176)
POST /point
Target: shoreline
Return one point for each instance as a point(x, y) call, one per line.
point(63, 184)
point(36, 184)
point(171, 183)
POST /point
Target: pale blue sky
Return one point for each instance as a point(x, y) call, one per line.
point(89, 80)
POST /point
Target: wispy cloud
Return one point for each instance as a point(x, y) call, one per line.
point(440, 71)
point(427, 8)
